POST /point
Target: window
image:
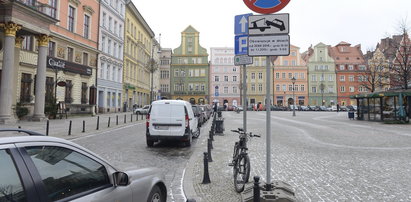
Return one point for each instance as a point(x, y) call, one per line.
point(302, 88)
point(342, 67)
point(293, 62)
point(10, 182)
point(260, 87)
point(290, 75)
point(86, 26)
point(104, 19)
point(234, 89)
point(234, 78)
point(313, 77)
point(342, 88)
point(277, 75)
point(352, 89)
point(53, 8)
point(351, 78)
point(216, 78)
point(49, 88)
point(284, 87)
point(302, 75)
point(71, 16)
point(330, 78)
point(25, 88)
point(342, 78)
point(362, 67)
point(314, 89)
point(67, 94)
point(296, 75)
point(84, 93)
point(350, 67)
point(283, 75)
point(253, 75)
point(109, 47)
point(28, 43)
point(109, 23)
point(85, 59)
point(260, 75)
point(70, 54)
point(277, 87)
point(103, 43)
point(290, 87)
point(65, 172)
point(253, 87)
point(115, 27)
point(225, 90)
point(285, 62)
point(52, 48)
point(225, 78)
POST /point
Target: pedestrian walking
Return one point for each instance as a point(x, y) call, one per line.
point(338, 108)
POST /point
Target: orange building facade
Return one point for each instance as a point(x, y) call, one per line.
point(286, 68)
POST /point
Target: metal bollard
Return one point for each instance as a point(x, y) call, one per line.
point(84, 126)
point(98, 122)
point(108, 124)
point(211, 144)
point(210, 158)
point(125, 118)
point(137, 117)
point(69, 131)
point(131, 117)
point(47, 128)
point(211, 135)
point(256, 189)
point(206, 176)
point(116, 119)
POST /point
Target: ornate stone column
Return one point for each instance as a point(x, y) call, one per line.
point(17, 48)
point(39, 103)
point(7, 78)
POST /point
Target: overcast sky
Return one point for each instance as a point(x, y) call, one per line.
point(362, 22)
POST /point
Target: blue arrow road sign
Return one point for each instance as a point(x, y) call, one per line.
point(241, 45)
point(241, 24)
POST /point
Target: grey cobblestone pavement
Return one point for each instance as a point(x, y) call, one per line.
point(323, 155)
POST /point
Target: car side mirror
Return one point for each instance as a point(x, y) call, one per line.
point(120, 179)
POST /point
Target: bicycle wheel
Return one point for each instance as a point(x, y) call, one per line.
point(241, 172)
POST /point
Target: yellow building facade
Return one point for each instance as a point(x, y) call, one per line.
point(138, 45)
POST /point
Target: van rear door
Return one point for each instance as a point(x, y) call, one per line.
point(177, 120)
point(160, 119)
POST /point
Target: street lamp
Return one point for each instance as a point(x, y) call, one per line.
point(152, 66)
point(322, 93)
point(293, 81)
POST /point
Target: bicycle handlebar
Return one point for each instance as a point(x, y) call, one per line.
point(242, 132)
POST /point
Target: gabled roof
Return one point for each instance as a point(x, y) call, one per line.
point(190, 29)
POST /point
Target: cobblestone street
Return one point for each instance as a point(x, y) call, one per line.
point(323, 155)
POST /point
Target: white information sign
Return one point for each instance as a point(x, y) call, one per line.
point(268, 24)
point(243, 60)
point(273, 45)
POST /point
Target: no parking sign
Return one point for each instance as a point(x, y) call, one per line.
point(266, 6)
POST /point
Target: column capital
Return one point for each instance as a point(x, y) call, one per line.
point(19, 41)
point(10, 28)
point(43, 40)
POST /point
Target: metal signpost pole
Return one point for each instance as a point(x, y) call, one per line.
point(244, 98)
point(268, 122)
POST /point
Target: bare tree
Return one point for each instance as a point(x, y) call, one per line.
point(376, 74)
point(401, 64)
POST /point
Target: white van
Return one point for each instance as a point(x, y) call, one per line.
point(171, 120)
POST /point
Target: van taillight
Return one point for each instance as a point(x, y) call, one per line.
point(187, 121)
point(148, 120)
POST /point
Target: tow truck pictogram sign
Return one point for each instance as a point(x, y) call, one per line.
point(268, 24)
point(266, 6)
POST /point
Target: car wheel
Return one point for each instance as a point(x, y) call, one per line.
point(156, 195)
point(197, 134)
point(150, 143)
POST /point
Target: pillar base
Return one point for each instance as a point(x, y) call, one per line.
point(39, 118)
point(7, 120)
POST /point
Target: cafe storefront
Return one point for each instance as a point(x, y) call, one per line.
point(393, 105)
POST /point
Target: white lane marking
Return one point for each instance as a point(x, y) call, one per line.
point(103, 133)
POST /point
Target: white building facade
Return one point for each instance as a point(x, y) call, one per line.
point(224, 77)
point(110, 60)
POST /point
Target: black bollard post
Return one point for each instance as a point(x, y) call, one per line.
point(206, 176)
point(131, 117)
point(210, 158)
point(98, 122)
point(211, 143)
point(47, 128)
point(69, 132)
point(108, 123)
point(84, 126)
point(211, 135)
point(116, 119)
point(256, 189)
point(137, 117)
point(125, 118)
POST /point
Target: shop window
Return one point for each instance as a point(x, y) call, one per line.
point(25, 88)
point(68, 93)
point(84, 93)
point(49, 88)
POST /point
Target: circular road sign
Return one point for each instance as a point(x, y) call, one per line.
point(266, 6)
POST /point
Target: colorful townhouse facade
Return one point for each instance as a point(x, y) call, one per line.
point(322, 86)
point(165, 71)
point(110, 60)
point(350, 67)
point(256, 81)
point(138, 50)
point(285, 69)
point(190, 69)
point(224, 77)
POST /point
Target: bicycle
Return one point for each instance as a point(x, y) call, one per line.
point(241, 161)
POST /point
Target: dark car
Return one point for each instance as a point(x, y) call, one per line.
point(199, 114)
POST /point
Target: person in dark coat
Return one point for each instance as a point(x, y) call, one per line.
point(338, 107)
